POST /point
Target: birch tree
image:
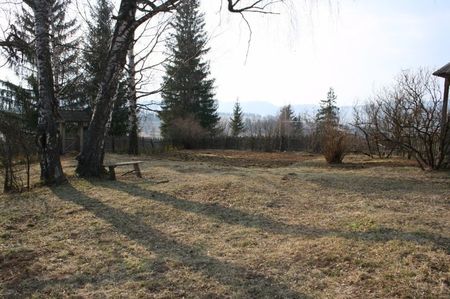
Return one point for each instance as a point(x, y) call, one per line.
point(40, 47)
point(47, 135)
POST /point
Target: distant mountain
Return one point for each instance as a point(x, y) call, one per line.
point(256, 107)
point(149, 124)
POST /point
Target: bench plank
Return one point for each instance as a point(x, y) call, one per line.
point(123, 163)
point(112, 166)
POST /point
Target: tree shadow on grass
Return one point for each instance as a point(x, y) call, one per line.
point(237, 217)
point(242, 282)
point(34, 285)
point(355, 182)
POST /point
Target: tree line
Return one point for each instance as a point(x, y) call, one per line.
point(405, 118)
point(100, 73)
point(34, 46)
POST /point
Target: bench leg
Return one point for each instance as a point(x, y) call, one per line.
point(137, 170)
point(112, 173)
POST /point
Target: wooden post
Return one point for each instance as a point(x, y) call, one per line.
point(80, 132)
point(112, 173)
point(444, 122)
point(445, 103)
point(137, 170)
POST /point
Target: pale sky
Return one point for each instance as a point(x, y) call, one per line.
point(355, 46)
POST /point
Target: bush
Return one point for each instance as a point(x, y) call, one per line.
point(16, 151)
point(334, 145)
point(186, 133)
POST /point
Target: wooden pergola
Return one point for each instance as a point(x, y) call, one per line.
point(79, 117)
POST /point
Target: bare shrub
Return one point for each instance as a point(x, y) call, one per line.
point(407, 116)
point(186, 132)
point(334, 144)
point(16, 151)
point(364, 121)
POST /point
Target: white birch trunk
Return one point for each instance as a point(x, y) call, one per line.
point(47, 134)
point(133, 146)
point(90, 160)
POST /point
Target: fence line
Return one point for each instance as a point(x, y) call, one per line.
point(148, 145)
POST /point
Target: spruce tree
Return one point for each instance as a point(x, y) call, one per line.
point(188, 92)
point(331, 139)
point(64, 44)
point(96, 48)
point(20, 101)
point(286, 124)
point(65, 56)
point(237, 120)
point(328, 112)
point(63, 47)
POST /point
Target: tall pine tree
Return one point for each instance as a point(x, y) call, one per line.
point(328, 112)
point(286, 124)
point(64, 49)
point(237, 120)
point(331, 139)
point(65, 56)
point(96, 48)
point(188, 92)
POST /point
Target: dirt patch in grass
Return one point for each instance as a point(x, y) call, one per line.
point(240, 158)
point(203, 227)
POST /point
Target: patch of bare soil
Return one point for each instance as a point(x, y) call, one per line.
point(241, 158)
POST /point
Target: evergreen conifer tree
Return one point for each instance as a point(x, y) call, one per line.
point(298, 125)
point(286, 125)
point(328, 112)
point(64, 44)
point(188, 92)
point(65, 56)
point(96, 48)
point(331, 139)
point(237, 120)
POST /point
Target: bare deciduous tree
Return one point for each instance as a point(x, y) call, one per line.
point(364, 121)
point(408, 116)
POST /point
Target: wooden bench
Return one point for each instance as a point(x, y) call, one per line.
point(112, 167)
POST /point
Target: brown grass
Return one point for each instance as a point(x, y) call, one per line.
point(211, 224)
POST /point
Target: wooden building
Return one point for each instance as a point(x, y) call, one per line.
point(77, 121)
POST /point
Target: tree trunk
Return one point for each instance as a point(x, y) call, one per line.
point(133, 146)
point(47, 137)
point(113, 144)
point(90, 160)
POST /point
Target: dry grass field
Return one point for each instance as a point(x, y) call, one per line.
point(225, 224)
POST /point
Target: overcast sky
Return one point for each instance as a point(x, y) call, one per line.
point(355, 46)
